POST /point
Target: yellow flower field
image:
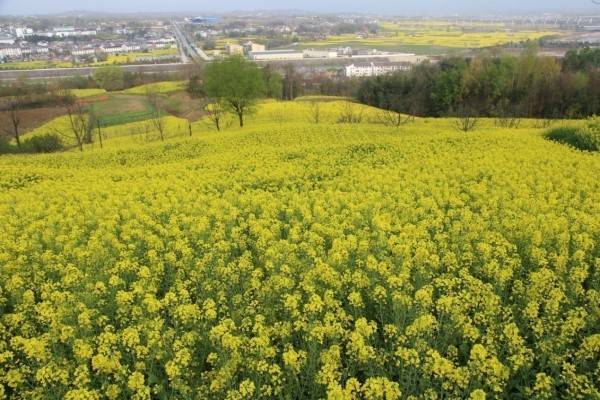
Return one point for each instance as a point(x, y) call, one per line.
point(83, 93)
point(294, 260)
point(158, 87)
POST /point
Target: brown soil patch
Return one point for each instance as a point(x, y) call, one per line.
point(186, 107)
point(30, 119)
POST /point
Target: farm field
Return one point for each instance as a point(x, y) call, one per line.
point(158, 87)
point(297, 260)
point(126, 58)
point(433, 36)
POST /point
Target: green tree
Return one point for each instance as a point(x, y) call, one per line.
point(110, 77)
point(237, 82)
point(273, 83)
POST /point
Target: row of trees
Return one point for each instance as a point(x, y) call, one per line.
point(505, 86)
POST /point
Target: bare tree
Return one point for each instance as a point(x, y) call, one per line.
point(156, 112)
point(14, 115)
point(217, 113)
point(544, 123)
point(466, 121)
point(78, 128)
point(391, 118)
point(350, 115)
point(314, 111)
point(99, 133)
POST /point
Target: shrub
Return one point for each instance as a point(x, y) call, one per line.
point(5, 146)
point(583, 138)
point(46, 143)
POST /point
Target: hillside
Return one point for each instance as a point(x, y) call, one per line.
point(297, 260)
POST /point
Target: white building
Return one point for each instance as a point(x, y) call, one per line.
point(22, 32)
point(234, 49)
point(34, 50)
point(7, 51)
point(83, 52)
point(274, 55)
point(64, 32)
point(121, 48)
point(372, 69)
point(251, 47)
point(7, 40)
point(312, 53)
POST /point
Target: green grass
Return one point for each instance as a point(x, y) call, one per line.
point(122, 109)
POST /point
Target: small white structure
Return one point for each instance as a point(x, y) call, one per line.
point(34, 50)
point(84, 51)
point(7, 51)
point(121, 48)
point(251, 47)
point(275, 55)
point(312, 53)
point(234, 49)
point(7, 40)
point(21, 32)
point(358, 70)
point(67, 32)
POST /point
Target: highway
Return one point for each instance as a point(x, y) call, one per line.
point(55, 73)
point(186, 47)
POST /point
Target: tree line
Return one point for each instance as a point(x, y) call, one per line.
point(528, 85)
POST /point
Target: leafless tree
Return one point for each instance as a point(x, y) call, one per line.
point(391, 118)
point(14, 115)
point(156, 112)
point(466, 120)
point(314, 111)
point(78, 128)
point(507, 121)
point(218, 115)
point(350, 115)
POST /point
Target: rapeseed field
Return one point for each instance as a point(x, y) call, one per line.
point(298, 260)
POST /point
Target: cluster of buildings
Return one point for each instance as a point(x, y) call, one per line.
point(77, 44)
point(367, 69)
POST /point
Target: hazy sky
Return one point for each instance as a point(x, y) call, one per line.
point(463, 7)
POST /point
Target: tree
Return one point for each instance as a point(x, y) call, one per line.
point(217, 113)
point(110, 77)
point(14, 116)
point(350, 114)
point(78, 126)
point(156, 112)
point(273, 83)
point(290, 82)
point(314, 111)
point(237, 82)
point(466, 121)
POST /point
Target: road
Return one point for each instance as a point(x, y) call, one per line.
point(188, 48)
point(54, 73)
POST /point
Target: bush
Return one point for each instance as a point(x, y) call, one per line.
point(583, 138)
point(47, 143)
point(5, 146)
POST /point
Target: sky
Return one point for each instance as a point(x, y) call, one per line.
point(396, 7)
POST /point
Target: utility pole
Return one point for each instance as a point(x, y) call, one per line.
point(99, 132)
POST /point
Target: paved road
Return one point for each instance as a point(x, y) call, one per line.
point(54, 73)
point(187, 47)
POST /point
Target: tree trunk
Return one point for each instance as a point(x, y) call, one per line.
point(241, 117)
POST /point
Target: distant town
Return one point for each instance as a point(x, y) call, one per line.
point(350, 46)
